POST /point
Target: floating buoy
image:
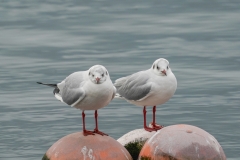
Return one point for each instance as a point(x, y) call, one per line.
point(76, 146)
point(182, 142)
point(135, 135)
point(134, 140)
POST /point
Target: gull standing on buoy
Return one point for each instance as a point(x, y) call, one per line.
point(86, 90)
point(151, 87)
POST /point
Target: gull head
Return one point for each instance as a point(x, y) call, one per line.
point(161, 67)
point(98, 74)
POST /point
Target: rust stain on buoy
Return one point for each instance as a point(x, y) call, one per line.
point(188, 131)
point(76, 146)
point(180, 142)
point(146, 151)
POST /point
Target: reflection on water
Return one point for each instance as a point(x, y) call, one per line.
point(46, 41)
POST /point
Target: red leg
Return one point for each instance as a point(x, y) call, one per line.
point(85, 132)
point(145, 121)
point(96, 129)
point(154, 124)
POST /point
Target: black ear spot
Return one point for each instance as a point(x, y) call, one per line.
point(89, 73)
point(153, 66)
point(106, 73)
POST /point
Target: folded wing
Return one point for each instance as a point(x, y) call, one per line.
point(71, 89)
point(133, 87)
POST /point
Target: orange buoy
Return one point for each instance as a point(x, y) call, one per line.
point(181, 142)
point(76, 146)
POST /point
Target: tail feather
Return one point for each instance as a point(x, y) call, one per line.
point(51, 85)
point(57, 94)
point(55, 91)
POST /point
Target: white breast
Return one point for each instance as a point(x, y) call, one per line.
point(163, 88)
point(97, 96)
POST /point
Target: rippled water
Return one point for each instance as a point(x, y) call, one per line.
point(46, 41)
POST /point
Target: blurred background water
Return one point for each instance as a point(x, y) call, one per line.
point(48, 40)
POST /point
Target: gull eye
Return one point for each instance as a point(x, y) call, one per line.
point(102, 75)
point(157, 67)
point(93, 75)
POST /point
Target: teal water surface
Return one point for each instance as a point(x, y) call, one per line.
point(48, 40)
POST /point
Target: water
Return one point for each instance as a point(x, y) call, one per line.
point(46, 41)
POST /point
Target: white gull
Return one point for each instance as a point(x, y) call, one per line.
point(86, 90)
point(151, 87)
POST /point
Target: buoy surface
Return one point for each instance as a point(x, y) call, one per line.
point(182, 142)
point(135, 135)
point(134, 140)
point(76, 146)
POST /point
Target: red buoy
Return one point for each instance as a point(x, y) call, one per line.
point(76, 146)
point(182, 142)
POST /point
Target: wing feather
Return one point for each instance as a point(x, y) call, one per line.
point(71, 88)
point(133, 87)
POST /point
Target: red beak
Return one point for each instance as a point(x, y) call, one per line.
point(97, 79)
point(164, 72)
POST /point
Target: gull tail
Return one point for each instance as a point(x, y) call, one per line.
point(47, 84)
point(55, 91)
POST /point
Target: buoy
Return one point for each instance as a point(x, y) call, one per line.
point(76, 146)
point(134, 140)
point(182, 142)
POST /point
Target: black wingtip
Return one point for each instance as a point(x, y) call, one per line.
point(51, 85)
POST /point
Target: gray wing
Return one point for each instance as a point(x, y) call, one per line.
point(71, 88)
point(133, 87)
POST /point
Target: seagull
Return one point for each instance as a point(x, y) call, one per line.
point(86, 90)
point(151, 87)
